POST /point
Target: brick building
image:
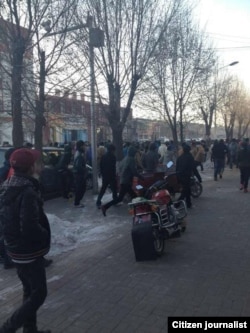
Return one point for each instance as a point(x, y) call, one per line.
point(68, 118)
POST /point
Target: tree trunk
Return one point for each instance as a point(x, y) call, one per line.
point(118, 142)
point(207, 130)
point(40, 120)
point(39, 124)
point(16, 94)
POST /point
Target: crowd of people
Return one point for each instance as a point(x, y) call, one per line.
point(234, 153)
point(150, 157)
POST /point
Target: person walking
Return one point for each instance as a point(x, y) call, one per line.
point(27, 236)
point(65, 174)
point(244, 166)
point(108, 173)
point(184, 169)
point(79, 173)
point(128, 172)
point(219, 152)
point(101, 150)
point(233, 152)
point(162, 150)
point(196, 153)
point(150, 160)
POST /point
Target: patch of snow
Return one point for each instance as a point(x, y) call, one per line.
point(54, 278)
point(67, 235)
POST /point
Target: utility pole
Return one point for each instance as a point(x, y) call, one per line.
point(96, 39)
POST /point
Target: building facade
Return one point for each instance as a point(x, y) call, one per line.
point(28, 86)
point(68, 118)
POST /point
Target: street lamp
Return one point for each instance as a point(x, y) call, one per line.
point(96, 39)
point(203, 69)
point(231, 64)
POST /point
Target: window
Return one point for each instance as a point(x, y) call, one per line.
point(62, 107)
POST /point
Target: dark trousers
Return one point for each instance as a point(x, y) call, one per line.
point(244, 176)
point(232, 161)
point(33, 278)
point(105, 183)
point(124, 189)
point(196, 172)
point(80, 187)
point(66, 181)
point(219, 165)
point(186, 191)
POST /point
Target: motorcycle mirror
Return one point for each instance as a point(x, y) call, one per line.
point(170, 164)
point(139, 187)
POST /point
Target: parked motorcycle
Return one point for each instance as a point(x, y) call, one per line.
point(170, 183)
point(158, 219)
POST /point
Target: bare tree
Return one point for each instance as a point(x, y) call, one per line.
point(229, 105)
point(243, 114)
point(132, 31)
point(20, 26)
point(209, 95)
point(174, 77)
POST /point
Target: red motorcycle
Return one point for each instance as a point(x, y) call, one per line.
point(168, 182)
point(155, 219)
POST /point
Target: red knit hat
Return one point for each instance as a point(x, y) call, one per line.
point(24, 158)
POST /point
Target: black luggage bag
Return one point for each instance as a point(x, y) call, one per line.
point(143, 242)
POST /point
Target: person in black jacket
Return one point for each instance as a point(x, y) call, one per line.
point(219, 153)
point(80, 173)
point(150, 159)
point(108, 173)
point(244, 166)
point(184, 168)
point(65, 173)
point(27, 236)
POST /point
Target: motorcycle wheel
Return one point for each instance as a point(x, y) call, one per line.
point(196, 189)
point(159, 243)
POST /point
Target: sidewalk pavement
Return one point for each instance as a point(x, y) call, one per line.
point(100, 288)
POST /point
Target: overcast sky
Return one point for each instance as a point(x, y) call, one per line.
point(228, 23)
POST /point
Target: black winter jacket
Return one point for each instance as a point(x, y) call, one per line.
point(185, 165)
point(244, 157)
point(219, 151)
point(25, 225)
point(79, 166)
point(108, 166)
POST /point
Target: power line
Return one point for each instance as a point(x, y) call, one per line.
point(231, 36)
point(232, 47)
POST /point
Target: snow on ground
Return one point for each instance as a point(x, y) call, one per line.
point(67, 236)
point(72, 226)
